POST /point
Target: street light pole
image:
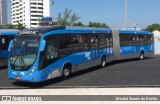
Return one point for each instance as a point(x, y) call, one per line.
point(125, 14)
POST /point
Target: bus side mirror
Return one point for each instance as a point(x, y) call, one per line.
point(10, 45)
point(42, 45)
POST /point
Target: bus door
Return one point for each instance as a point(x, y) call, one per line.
point(109, 45)
point(136, 43)
point(94, 47)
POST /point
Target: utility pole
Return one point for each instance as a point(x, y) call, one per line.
point(125, 14)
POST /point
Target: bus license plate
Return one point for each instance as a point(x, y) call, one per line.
point(18, 77)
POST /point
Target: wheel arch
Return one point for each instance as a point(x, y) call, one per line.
point(67, 64)
point(142, 51)
point(105, 56)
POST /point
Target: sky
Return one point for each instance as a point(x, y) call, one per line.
point(111, 12)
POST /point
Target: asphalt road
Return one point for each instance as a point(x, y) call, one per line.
point(126, 73)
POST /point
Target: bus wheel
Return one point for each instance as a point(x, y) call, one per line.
point(103, 62)
point(141, 56)
point(66, 72)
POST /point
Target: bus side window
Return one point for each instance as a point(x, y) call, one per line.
point(107, 40)
point(122, 41)
point(77, 42)
point(51, 51)
point(0, 47)
point(50, 54)
point(4, 46)
point(150, 39)
point(102, 41)
point(92, 42)
point(110, 40)
point(128, 40)
point(65, 45)
point(141, 40)
point(85, 42)
point(4, 42)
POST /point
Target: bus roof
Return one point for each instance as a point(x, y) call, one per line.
point(75, 29)
point(134, 32)
point(9, 31)
point(41, 30)
point(85, 28)
point(45, 29)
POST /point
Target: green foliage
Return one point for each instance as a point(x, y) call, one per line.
point(10, 26)
point(20, 26)
point(97, 24)
point(78, 24)
point(67, 18)
point(153, 27)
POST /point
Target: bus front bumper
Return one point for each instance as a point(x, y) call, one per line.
point(24, 78)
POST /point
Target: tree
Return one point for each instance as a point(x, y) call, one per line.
point(74, 18)
point(153, 27)
point(67, 18)
point(20, 26)
point(78, 24)
point(97, 24)
point(10, 26)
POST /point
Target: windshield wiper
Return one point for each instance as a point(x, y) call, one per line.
point(21, 58)
point(15, 60)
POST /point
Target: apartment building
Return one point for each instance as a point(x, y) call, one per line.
point(3, 12)
point(29, 12)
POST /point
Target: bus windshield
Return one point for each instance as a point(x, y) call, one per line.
point(23, 52)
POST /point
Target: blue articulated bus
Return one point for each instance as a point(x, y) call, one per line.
point(6, 36)
point(40, 54)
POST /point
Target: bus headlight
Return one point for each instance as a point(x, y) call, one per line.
point(32, 71)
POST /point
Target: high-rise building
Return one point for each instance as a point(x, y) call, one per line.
point(3, 12)
point(29, 12)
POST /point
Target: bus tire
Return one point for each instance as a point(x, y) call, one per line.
point(141, 56)
point(103, 62)
point(66, 72)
